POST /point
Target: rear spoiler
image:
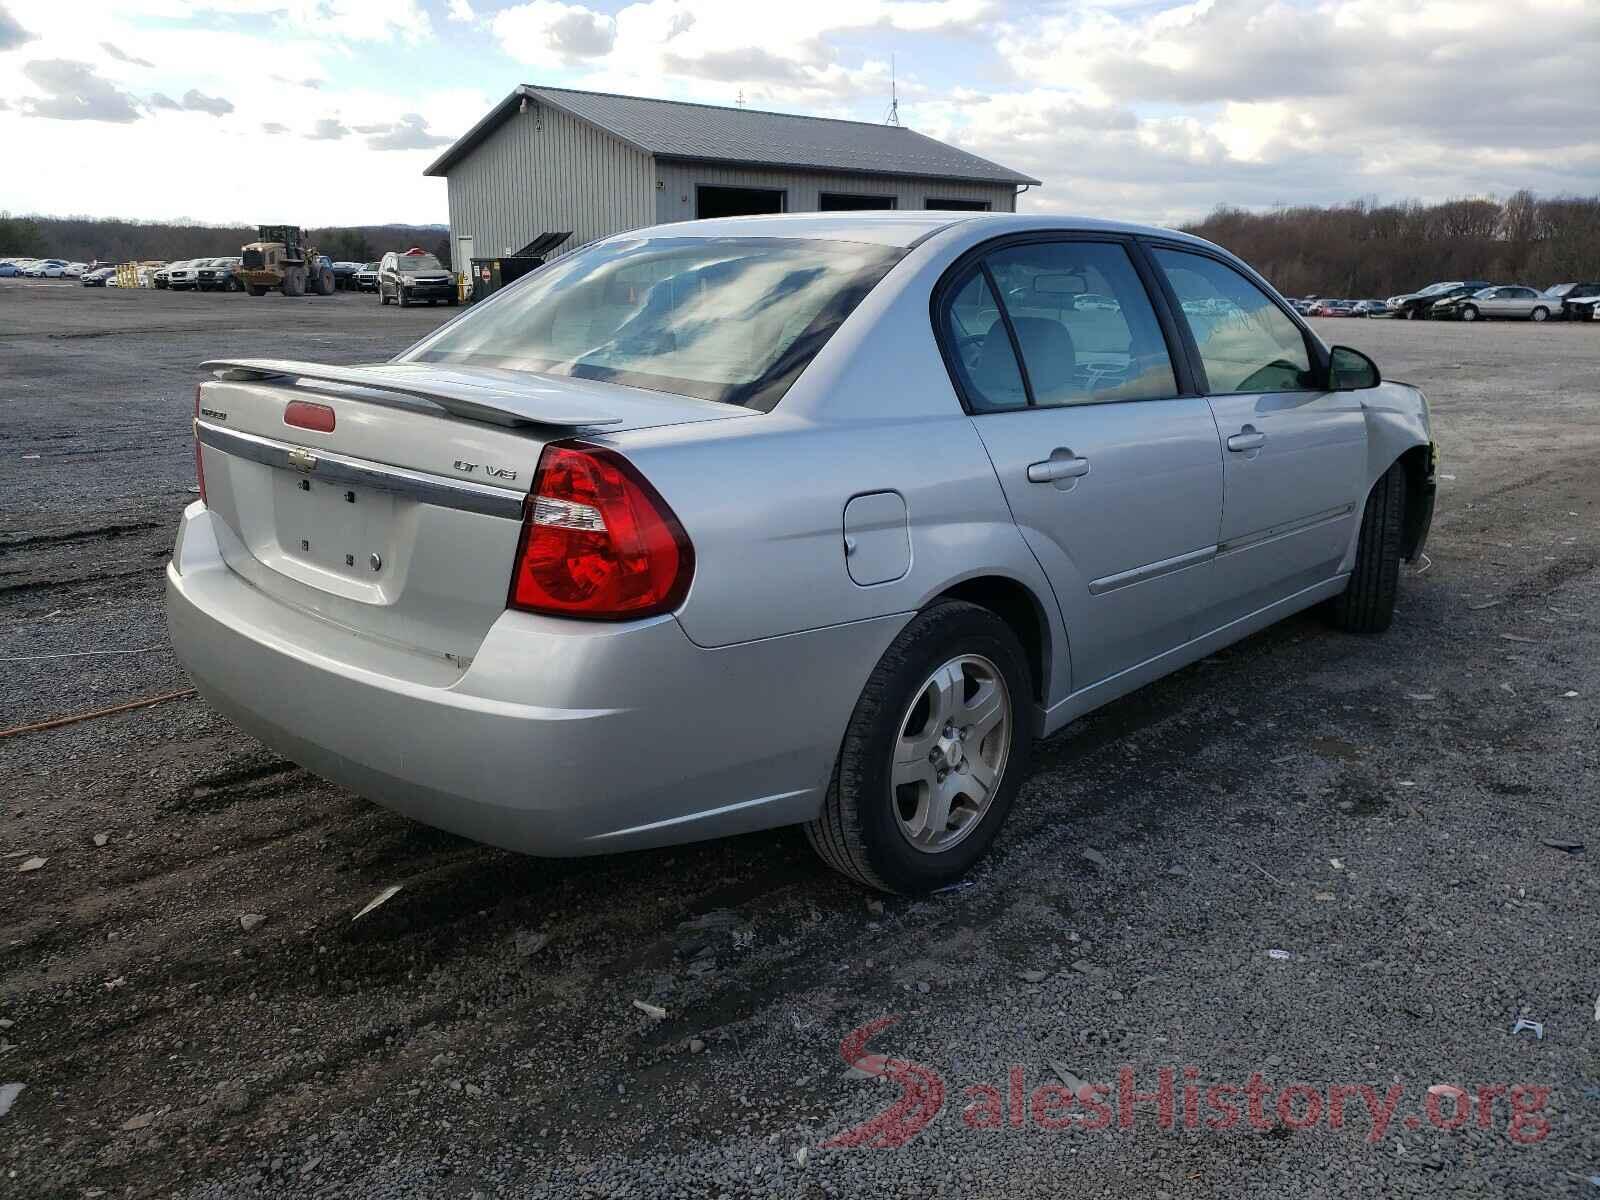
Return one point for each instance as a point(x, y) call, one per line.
point(535, 405)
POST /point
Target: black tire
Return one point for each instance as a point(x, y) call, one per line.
point(453, 301)
point(1469, 313)
point(401, 298)
point(383, 296)
point(258, 289)
point(858, 833)
point(1367, 603)
point(1539, 314)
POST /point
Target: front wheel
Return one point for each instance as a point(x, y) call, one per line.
point(383, 296)
point(1469, 313)
point(258, 289)
point(1541, 314)
point(1367, 602)
point(933, 756)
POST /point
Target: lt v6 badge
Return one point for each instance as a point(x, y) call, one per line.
point(491, 471)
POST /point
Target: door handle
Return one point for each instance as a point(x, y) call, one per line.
point(1247, 439)
point(1053, 469)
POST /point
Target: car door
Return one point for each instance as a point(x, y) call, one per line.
point(1294, 453)
point(1518, 301)
point(1491, 302)
point(1112, 473)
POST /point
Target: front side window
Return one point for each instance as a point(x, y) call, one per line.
point(1080, 317)
point(727, 319)
point(1246, 342)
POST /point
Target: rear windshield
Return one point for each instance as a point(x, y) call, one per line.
point(728, 319)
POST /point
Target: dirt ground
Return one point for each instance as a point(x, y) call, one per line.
point(1320, 859)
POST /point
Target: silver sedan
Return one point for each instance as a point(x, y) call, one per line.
point(811, 519)
point(1505, 302)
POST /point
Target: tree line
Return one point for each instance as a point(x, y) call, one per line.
point(1357, 250)
point(1365, 249)
point(110, 240)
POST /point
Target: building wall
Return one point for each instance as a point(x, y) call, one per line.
point(675, 196)
point(543, 171)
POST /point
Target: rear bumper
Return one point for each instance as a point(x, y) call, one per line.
point(560, 738)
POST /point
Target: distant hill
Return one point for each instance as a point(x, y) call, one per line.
point(85, 239)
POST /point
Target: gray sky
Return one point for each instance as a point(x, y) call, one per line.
point(326, 111)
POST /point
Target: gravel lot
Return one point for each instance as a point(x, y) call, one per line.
point(1374, 812)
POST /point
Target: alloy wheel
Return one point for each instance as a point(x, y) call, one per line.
point(950, 753)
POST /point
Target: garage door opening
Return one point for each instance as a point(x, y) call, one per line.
point(736, 202)
point(947, 203)
point(850, 202)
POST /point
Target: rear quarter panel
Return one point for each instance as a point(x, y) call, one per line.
point(763, 500)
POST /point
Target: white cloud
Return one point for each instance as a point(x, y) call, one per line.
point(409, 133)
point(461, 10)
point(72, 91)
point(547, 33)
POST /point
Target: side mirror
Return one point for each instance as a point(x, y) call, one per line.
point(1351, 371)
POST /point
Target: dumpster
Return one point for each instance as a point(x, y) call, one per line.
point(489, 275)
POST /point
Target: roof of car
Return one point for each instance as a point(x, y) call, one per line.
point(893, 227)
point(714, 133)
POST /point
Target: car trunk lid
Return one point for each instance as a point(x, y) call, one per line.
point(401, 521)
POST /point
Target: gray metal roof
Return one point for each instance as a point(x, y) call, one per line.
point(709, 133)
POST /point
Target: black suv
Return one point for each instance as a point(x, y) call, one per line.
point(1420, 304)
point(412, 277)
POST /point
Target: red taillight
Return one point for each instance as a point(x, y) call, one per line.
point(199, 463)
point(598, 542)
point(302, 414)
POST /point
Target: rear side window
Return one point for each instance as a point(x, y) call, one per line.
point(1079, 315)
point(976, 332)
point(1246, 342)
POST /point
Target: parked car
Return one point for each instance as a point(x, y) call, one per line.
point(1372, 308)
point(602, 654)
point(367, 277)
point(185, 276)
point(1582, 308)
point(1504, 301)
point(74, 270)
point(219, 275)
point(1420, 304)
point(9, 271)
point(413, 277)
point(344, 275)
point(159, 279)
point(1569, 293)
point(47, 268)
point(97, 277)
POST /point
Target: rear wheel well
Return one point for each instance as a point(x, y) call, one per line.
point(1016, 605)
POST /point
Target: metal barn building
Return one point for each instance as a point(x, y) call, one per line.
point(552, 160)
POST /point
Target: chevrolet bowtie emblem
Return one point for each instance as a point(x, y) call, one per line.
point(300, 460)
